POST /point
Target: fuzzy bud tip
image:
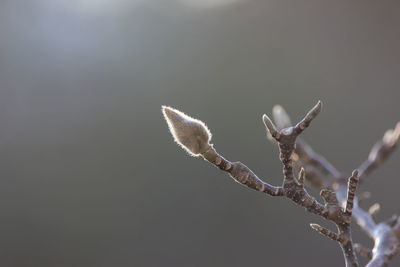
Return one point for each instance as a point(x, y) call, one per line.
point(191, 134)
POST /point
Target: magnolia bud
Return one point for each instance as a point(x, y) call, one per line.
point(191, 134)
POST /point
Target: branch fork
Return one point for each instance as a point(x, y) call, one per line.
point(340, 202)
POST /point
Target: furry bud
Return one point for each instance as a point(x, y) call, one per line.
point(191, 134)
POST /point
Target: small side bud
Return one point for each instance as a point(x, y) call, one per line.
point(302, 176)
point(392, 136)
point(315, 226)
point(270, 127)
point(329, 196)
point(191, 134)
point(374, 209)
point(281, 117)
point(351, 191)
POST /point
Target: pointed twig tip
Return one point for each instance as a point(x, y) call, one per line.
point(326, 232)
point(355, 174)
point(305, 122)
point(351, 192)
point(374, 209)
point(317, 108)
point(264, 117)
point(392, 136)
point(270, 126)
point(302, 176)
point(165, 108)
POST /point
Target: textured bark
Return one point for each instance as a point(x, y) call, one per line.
point(302, 165)
point(386, 235)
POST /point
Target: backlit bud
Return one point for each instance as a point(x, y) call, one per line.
point(191, 134)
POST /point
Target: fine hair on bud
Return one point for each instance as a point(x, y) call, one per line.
point(191, 134)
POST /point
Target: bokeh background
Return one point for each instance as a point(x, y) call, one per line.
point(90, 175)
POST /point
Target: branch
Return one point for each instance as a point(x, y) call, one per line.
point(241, 173)
point(385, 247)
point(351, 192)
point(309, 156)
point(340, 202)
point(387, 239)
point(194, 136)
point(197, 142)
point(303, 150)
point(326, 232)
point(381, 151)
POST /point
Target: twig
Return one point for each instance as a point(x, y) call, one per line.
point(340, 201)
point(304, 151)
point(385, 234)
point(381, 151)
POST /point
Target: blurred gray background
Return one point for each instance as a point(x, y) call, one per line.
point(90, 175)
